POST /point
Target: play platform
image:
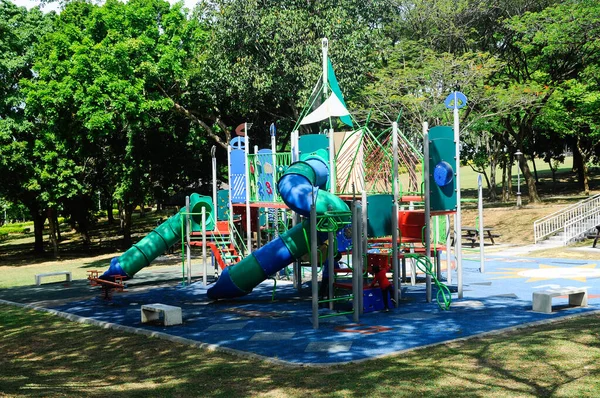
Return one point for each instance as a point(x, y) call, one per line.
point(281, 330)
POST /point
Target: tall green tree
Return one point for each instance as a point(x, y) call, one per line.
point(561, 46)
point(105, 83)
point(20, 153)
point(265, 57)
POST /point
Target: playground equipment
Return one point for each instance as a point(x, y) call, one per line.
point(300, 187)
point(359, 191)
point(158, 241)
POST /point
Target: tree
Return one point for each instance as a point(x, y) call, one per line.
point(104, 89)
point(20, 30)
point(561, 44)
point(265, 56)
point(414, 81)
point(470, 26)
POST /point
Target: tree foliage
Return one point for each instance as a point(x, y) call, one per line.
point(126, 98)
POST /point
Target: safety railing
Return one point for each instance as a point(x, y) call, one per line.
point(579, 226)
point(556, 222)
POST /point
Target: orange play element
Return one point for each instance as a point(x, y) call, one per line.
point(411, 224)
point(224, 256)
point(107, 286)
point(221, 229)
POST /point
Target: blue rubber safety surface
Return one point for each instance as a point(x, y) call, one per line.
point(499, 298)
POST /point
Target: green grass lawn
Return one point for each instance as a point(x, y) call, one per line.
point(44, 355)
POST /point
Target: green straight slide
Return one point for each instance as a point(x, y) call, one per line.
point(158, 241)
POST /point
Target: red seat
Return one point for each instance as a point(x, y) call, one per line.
point(411, 224)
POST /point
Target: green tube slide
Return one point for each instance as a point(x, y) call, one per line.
point(159, 240)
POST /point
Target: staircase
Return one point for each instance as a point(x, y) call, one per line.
point(569, 224)
point(221, 243)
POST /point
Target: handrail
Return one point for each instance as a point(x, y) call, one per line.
point(564, 209)
point(582, 224)
point(557, 221)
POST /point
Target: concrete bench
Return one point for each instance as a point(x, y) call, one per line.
point(38, 277)
point(171, 315)
point(542, 300)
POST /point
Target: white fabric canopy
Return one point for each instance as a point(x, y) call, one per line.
point(332, 107)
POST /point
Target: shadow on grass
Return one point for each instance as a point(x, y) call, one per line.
point(105, 239)
point(45, 356)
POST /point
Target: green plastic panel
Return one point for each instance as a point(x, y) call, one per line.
point(379, 215)
point(247, 274)
point(223, 205)
point(310, 143)
point(168, 235)
point(174, 224)
point(197, 202)
point(132, 261)
point(326, 201)
point(442, 148)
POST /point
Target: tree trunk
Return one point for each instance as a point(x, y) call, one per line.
point(38, 230)
point(507, 179)
point(492, 183)
point(121, 215)
point(79, 213)
point(576, 159)
point(528, 176)
point(582, 168)
point(534, 170)
point(57, 226)
point(52, 224)
point(126, 222)
point(108, 207)
point(553, 170)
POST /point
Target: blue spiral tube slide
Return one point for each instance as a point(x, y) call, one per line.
point(301, 182)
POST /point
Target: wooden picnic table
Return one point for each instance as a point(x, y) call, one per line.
point(472, 234)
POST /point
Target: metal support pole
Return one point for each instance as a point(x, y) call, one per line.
point(359, 265)
point(213, 151)
point(258, 237)
point(331, 266)
point(314, 265)
point(230, 203)
point(365, 222)
point(324, 45)
point(395, 270)
point(274, 160)
point(480, 208)
point(437, 234)
point(297, 277)
point(332, 170)
point(355, 276)
point(205, 265)
point(248, 215)
point(458, 224)
point(427, 206)
point(188, 254)
point(331, 252)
